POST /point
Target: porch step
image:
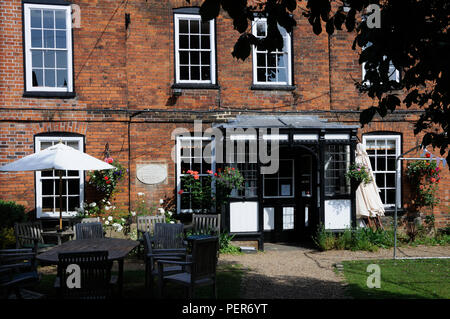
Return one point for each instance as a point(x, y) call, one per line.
point(248, 250)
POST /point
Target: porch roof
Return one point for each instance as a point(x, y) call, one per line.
point(284, 122)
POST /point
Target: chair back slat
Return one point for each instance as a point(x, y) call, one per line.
point(204, 255)
point(206, 223)
point(95, 275)
point(90, 220)
point(88, 230)
point(168, 236)
point(27, 233)
point(147, 223)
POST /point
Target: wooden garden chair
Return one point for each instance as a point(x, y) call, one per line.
point(146, 224)
point(31, 235)
point(206, 224)
point(89, 230)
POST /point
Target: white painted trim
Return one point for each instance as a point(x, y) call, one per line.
point(27, 43)
point(306, 137)
point(276, 137)
point(337, 136)
point(37, 147)
point(212, 37)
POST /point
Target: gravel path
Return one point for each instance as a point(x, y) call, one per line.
point(286, 272)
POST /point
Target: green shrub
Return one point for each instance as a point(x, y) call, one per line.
point(344, 240)
point(324, 239)
point(7, 238)
point(225, 246)
point(11, 213)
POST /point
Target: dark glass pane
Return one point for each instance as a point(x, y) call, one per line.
point(46, 173)
point(285, 187)
point(36, 19)
point(270, 187)
point(383, 195)
point(36, 59)
point(379, 179)
point(195, 73)
point(50, 78)
point(47, 187)
point(206, 42)
point(49, 38)
point(185, 166)
point(60, 19)
point(74, 186)
point(61, 78)
point(184, 57)
point(194, 26)
point(261, 29)
point(49, 59)
point(261, 59)
point(390, 196)
point(205, 27)
point(372, 161)
point(281, 75)
point(38, 77)
point(271, 60)
point(197, 167)
point(271, 75)
point(206, 73)
point(73, 173)
point(64, 188)
point(261, 74)
point(61, 39)
point(36, 38)
point(391, 163)
point(49, 19)
point(206, 58)
point(184, 73)
point(285, 169)
point(183, 25)
point(381, 163)
point(184, 42)
point(194, 42)
point(390, 180)
point(47, 204)
point(185, 201)
point(195, 58)
point(74, 202)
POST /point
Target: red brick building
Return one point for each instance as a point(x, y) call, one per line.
point(134, 71)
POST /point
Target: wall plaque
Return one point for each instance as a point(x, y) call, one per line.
point(151, 173)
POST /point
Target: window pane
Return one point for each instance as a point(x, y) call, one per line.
point(49, 59)
point(194, 26)
point(270, 188)
point(61, 39)
point(74, 202)
point(49, 38)
point(49, 20)
point(60, 19)
point(47, 187)
point(38, 77)
point(61, 59)
point(206, 58)
point(288, 218)
point(47, 204)
point(194, 42)
point(206, 73)
point(379, 179)
point(184, 73)
point(390, 196)
point(261, 29)
point(285, 187)
point(281, 75)
point(281, 60)
point(183, 25)
point(36, 18)
point(271, 60)
point(205, 27)
point(261, 59)
point(206, 42)
point(74, 186)
point(50, 78)
point(61, 78)
point(195, 57)
point(261, 75)
point(36, 38)
point(184, 42)
point(390, 179)
point(195, 73)
point(36, 59)
point(381, 163)
point(271, 75)
point(184, 57)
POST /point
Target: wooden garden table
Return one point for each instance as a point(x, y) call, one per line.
point(117, 249)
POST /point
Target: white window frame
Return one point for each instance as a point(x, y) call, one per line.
point(278, 179)
point(397, 139)
point(177, 17)
point(38, 177)
point(28, 56)
point(178, 166)
point(255, 51)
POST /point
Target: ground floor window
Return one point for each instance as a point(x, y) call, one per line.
point(193, 154)
point(382, 151)
point(47, 182)
point(337, 162)
point(280, 184)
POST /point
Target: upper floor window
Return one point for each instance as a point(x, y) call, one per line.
point(271, 68)
point(48, 48)
point(393, 73)
point(194, 50)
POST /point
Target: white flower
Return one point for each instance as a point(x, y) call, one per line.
point(103, 218)
point(108, 203)
point(119, 228)
point(161, 210)
point(107, 223)
point(123, 219)
point(114, 207)
point(140, 194)
point(110, 218)
point(133, 213)
point(172, 222)
point(170, 213)
point(107, 207)
point(115, 225)
point(161, 201)
point(93, 204)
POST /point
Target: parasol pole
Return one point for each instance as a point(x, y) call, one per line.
point(60, 199)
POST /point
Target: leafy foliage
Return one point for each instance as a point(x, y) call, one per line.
point(11, 213)
point(105, 181)
point(413, 36)
point(359, 173)
point(424, 177)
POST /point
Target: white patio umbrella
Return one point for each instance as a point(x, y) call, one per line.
point(368, 201)
point(57, 157)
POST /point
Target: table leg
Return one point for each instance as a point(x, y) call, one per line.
point(59, 239)
point(120, 277)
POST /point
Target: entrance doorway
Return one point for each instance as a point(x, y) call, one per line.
point(289, 195)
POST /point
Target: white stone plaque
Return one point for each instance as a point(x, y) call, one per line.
point(151, 173)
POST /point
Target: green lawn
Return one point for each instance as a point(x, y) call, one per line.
point(425, 278)
point(228, 285)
